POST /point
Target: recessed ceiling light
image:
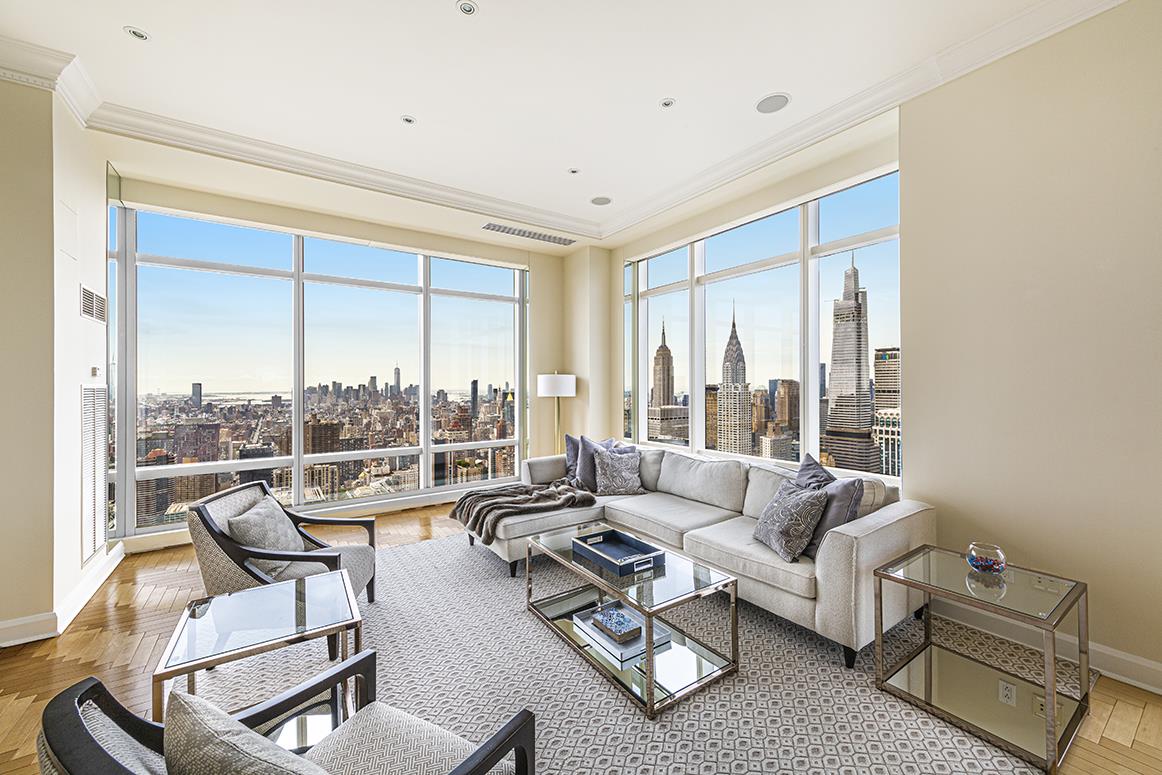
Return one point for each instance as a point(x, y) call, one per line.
point(574, 171)
point(136, 33)
point(467, 7)
point(600, 201)
point(409, 120)
point(773, 103)
point(668, 103)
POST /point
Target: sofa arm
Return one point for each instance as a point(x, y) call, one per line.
point(844, 566)
point(542, 470)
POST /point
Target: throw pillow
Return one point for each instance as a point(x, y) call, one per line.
point(788, 521)
point(586, 467)
point(572, 451)
point(812, 474)
point(617, 473)
point(843, 499)
point(200, 739)
point(266, 526)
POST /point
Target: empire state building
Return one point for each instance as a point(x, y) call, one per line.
point(848, 438)
point(666, 419)
point(662, 393)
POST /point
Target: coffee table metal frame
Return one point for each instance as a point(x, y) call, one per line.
point(1076, 597)
point(649, 704)
point(161, 674)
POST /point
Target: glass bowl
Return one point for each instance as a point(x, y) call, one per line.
point(985, 558)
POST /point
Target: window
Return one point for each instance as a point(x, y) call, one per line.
point(796, 341)
point(326, 404)
point(627, 372)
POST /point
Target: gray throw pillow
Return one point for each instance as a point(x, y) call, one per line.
point(266, 526)
point(572, 450)
point(202, 740)
point(843, 499)
point(788, 521)
point(586, 467)
point(617, 472)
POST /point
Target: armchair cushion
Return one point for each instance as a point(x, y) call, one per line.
point(357, 559)
point(382, 740)
point(122, 746)
point(266, 526)
point(202, 740)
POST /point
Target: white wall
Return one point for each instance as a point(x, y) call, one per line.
point(1031, 317)
point(587, 340)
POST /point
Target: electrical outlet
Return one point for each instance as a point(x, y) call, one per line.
point(1007, 693)
point(1039, 707)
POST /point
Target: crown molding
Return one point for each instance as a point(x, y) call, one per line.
point(140, 125)
point(46, 68)
point(1033, 24)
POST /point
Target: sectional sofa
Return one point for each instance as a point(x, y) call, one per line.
point(707, 508)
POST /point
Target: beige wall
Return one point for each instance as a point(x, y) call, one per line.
point(26, 319)
point(1030, 280)
point(587, 341)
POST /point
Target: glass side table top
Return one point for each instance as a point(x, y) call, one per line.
point(1019, 590)
point(679, 577)
point(259, 615)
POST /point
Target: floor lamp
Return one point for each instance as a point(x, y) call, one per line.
point(557, 386)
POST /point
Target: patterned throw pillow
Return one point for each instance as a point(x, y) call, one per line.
point(788, 521)
point(618, 472)
point(266, 526)
point(202, 740)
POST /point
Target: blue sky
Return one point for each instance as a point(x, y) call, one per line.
point(234, 333)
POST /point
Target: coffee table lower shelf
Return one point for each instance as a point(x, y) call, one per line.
point(681, 668)
point(964, 692)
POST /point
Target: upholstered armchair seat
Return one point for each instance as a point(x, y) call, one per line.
point(85, 731)
point(229, 566)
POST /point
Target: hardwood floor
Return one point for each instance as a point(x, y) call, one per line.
point(120, 634)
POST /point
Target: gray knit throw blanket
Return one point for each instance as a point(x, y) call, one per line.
point(482, 510)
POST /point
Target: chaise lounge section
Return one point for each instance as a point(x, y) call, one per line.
point(707, 508)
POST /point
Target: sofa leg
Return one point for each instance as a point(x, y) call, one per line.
point(849, 655)
point(371, 590)
point(512, 568)
point(919, 613)
point(471, 540)
point(332, 647)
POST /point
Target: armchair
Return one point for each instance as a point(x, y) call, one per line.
point(228, 566)
point(85, 731)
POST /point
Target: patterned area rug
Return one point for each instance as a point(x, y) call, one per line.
point(457, 647)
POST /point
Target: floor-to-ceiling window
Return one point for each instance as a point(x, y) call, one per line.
point(781, 335)
point(331, 370)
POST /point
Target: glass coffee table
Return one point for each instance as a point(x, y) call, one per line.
point(215, 630)
point(1005, 709)
point(672, 664)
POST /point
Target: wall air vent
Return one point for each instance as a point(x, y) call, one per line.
point(537, 235)
point(93, 305)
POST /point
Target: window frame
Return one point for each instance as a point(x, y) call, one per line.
point(807, 256)
point(125, 474)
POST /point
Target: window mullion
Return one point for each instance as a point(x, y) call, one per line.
point(298, 404)
point(425, 392)
point(697, 370)
point(809, 360)
point(127, 374)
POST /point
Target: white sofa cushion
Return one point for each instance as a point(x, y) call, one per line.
point(650, 467)
point(720, 483)
point(663, 516)
point(521, 525)
point(731, 546)
point(761, 486)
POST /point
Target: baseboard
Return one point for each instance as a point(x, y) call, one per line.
point(162, 539)
point(13, 632)
point(94, 576)
point(1128, 668)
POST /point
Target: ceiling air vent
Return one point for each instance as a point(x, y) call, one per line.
point(93, 305)
point(537, 235)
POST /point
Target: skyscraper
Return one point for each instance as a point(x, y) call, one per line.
point(372, 384)
point(887, 375)
point(848, 439)
point(734, 399)
point(475, 398)
point(196, 395)
point(786, 404)
point(395, 384)
point(662, 392)
point(886, 427)
point(712, 416)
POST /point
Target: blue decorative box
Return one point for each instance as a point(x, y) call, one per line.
point(619, 552)
point(627, 653)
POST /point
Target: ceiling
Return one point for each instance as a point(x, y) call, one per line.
point(509, 99)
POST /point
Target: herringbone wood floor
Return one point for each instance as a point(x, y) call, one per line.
point(120, 634)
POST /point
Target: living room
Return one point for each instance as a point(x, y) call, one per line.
point(394, 389)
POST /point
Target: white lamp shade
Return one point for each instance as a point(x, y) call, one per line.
point(556, 385)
